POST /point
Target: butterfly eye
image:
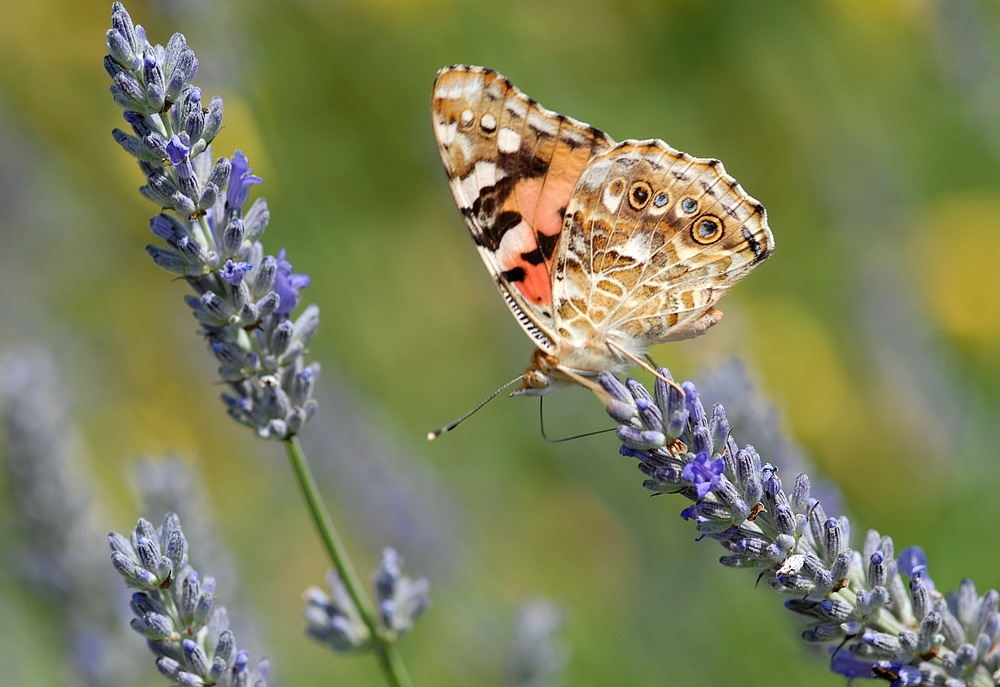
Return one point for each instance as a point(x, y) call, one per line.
point(639, 195)
point(689, 205)
point(707, 230)
point(661, 199)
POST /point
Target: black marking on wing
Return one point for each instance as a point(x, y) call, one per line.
point(755, 246)
point(533, 257)
point(514, 274)
point(504, 222)
point(547, 244)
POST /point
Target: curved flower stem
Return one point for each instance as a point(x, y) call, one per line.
point(385, 650)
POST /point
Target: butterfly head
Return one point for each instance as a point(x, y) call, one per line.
point(541, 377)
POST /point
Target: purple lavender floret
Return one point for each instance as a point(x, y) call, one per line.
point(287, 285)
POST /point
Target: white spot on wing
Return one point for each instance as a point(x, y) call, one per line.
point(493, 90)
point(519, 239)
point(543, 123)
point(467, 118)
point(508, 140)
point(470, 187)
point(474, 87)
point(446, 132)
point(612, 200)
point(457, 190)
point(516, 106)
point(488, 122)
point(486, 173)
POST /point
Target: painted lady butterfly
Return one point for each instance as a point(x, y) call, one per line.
point(600, 249)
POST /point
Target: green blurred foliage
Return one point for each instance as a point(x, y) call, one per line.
point(866, 127)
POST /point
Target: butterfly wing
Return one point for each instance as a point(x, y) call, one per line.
point(653, 237)
point(512, 166)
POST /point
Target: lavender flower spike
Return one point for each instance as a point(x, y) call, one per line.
point(857, 603)
point(175, 610)
point(244, 299)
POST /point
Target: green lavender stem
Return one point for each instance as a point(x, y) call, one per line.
point(388, 658)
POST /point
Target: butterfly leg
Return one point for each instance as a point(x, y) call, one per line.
point(620, 352)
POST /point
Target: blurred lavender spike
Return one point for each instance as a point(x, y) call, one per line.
point(334, 619)
point(756, 420)
point(537, 657)
point(244, 299)
point(857, 602)
point(167, 485)
point(56, 522)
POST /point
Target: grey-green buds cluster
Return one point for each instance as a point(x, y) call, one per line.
point(334, 619)
point(175, 610)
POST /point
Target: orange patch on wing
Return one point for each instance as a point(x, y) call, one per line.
point(565, 168)
point(541, 202)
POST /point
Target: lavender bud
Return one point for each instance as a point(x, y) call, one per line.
point(281, 337)
point(209, 196)
point(120, 50)
point(307, 324)
point(304, 384)
point(754, 491)
point(638, 390)
point(876, 570)
point(987, 608)
point(930, 625)
point(203, 609)
point(183, 205)
point(216, 306)
point(836, 610)
point(649, 414)
point(640, 440)
point(824, 632)
point(841, 565)
point(919, 597)
point(719, 429)
point(195, 658)
point(134, 574)
point(225, 646)
point(966, 656)
point(232, 238)
point(268, 304)
point(784, 519)
point(169, 260)
point(263, 282)
point(799, 500)
point(153, 626)
point(213, 121)
point(883, 644)
point(122, 22)
point(620, 411)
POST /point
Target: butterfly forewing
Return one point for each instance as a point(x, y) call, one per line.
point(512, 166)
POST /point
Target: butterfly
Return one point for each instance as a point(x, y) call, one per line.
point(600, 249)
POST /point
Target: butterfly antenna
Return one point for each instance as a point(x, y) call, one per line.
point(431, 436)
point(541, 423)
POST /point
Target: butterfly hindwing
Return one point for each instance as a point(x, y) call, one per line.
point(512, 166)
point(652, 238)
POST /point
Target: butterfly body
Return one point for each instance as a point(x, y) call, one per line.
point(600, 249)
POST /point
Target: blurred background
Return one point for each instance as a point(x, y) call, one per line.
point(870, 129)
